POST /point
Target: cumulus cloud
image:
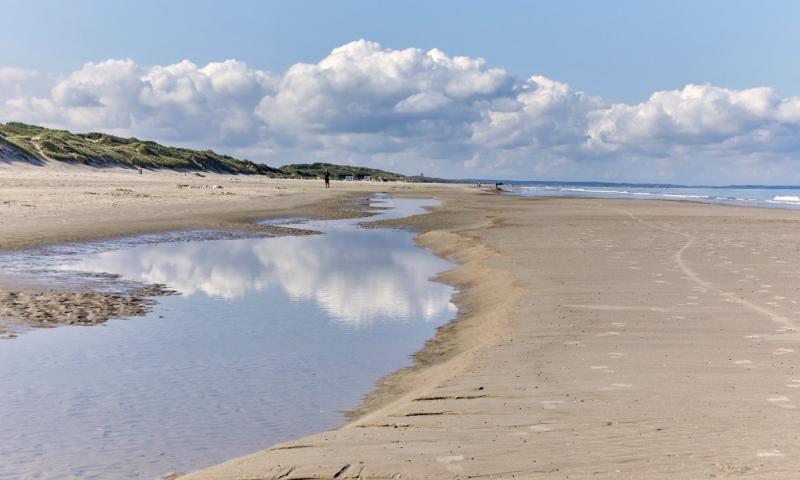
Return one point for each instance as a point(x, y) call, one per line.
point(363, 88)
point(697, 114)
point(416, 110)
point(543, 113)
point(178, 102)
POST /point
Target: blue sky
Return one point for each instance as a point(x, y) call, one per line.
point(618, 52)
point(621, 50)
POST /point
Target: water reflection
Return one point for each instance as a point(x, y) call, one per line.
point(355, 275)
point(271, 340)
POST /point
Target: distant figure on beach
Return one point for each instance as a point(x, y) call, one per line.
point(327, 179)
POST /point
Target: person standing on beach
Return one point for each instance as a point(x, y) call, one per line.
point(327, 179)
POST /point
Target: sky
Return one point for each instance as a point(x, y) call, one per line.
point(657, 91)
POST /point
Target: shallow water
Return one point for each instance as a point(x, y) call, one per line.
point(271, 339)
point(774, 197)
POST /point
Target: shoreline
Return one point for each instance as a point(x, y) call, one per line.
point(586, 329)
point(80, 204)
point(425, 403)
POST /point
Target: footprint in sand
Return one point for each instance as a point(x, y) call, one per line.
point(782, 351)
point(551, 404)
point(769, 453)
point(794, 382)
point(448, 463)
point(781, 401)
point(616, 386)
point(601, 368)
point(541, 428)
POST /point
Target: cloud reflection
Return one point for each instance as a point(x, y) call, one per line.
point(357, 276)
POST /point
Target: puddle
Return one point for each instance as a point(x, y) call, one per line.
point(271, 339)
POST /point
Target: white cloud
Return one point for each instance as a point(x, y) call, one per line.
point(362, 87)
point(542, 114)
point(180, 102)
point(697, 114)
point(415, 110)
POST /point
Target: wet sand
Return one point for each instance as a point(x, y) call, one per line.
point(595, 339)
point(57, 204)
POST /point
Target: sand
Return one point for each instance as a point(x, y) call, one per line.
point(61, 203)
point(595, 339)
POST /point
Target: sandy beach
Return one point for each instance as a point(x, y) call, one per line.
point(595, 338)
point(60, 203)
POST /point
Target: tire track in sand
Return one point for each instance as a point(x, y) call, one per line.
point(694, 277)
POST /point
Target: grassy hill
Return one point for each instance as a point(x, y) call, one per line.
point(20, 142)
point(338, 172)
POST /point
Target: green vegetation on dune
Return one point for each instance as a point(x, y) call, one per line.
point(20, 142)
point(102, 150)
point(338, 172)
point(341, 172)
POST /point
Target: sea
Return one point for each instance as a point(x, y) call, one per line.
point(743, 195)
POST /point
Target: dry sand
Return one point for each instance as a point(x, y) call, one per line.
point(595, 338)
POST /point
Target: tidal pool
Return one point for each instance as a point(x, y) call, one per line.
point(271, 339)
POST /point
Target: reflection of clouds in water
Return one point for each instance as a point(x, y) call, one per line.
point(356, 276)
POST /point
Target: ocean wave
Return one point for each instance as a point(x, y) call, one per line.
point(755, 197)
point(785, 199)
point(614, 192)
